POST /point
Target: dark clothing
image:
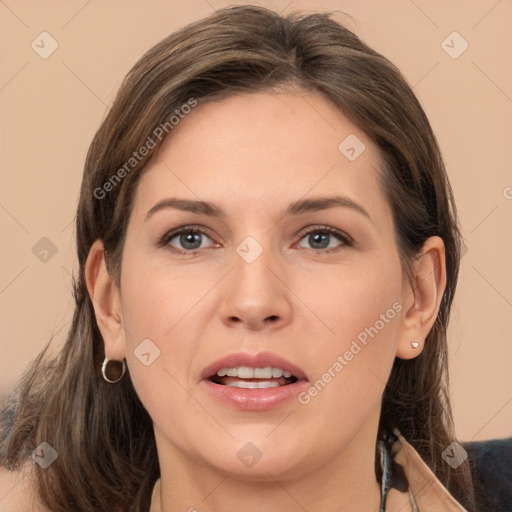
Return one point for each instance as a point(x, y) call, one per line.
point(491, 469)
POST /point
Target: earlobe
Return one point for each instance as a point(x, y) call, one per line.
point(422, 298)
point(105, 298)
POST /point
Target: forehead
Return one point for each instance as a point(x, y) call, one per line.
point(263, 149)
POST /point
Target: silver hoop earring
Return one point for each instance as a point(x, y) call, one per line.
point(113, 370)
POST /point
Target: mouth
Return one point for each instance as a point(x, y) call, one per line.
point(253, 381)
point(253, 378)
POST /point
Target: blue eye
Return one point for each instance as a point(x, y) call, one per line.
point(189, 239)
point(325, 238)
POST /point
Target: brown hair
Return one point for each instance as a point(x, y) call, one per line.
point(102, 433)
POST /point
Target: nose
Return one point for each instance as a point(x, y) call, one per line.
point(254, 297)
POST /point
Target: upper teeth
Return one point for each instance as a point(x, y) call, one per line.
point(247, 372)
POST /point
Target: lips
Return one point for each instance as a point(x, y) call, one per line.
point(253, 382)
point(261, 360)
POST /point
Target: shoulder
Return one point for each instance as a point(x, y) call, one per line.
point(491, 469)
point(17, 492)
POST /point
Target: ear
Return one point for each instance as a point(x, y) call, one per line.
point(106, 301)
point(422, 297)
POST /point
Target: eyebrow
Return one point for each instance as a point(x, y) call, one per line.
point(295, 208)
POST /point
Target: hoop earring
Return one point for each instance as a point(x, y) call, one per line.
point(113, 370)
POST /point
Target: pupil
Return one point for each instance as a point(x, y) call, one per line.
point(188, 240)
point(320, 240)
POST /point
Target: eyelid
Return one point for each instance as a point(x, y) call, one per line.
point(324, 227)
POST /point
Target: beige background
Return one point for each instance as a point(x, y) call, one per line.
point(51, 108)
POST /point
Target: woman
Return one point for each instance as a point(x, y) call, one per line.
point(268, 252)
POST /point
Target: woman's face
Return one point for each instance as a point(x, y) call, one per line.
point(295, 268)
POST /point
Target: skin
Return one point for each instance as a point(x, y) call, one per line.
point(252, 155)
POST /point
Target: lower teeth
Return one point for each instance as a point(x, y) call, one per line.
point(254, 385)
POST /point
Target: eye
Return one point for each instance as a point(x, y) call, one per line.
point(185, 239)
point(190, 240)
point(321, 238)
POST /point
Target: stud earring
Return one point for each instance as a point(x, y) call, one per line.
point(415, 345)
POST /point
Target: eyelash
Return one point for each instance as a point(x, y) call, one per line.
point(346, 240)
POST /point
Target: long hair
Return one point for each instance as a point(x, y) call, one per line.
point(107, 458)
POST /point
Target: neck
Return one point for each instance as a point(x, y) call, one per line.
point(346, 482)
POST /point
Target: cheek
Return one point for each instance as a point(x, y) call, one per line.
point(358, 311)
point(348, 300)
point(159, 311)
point(159, 298)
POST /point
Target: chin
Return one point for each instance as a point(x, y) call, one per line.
point(259, 458)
